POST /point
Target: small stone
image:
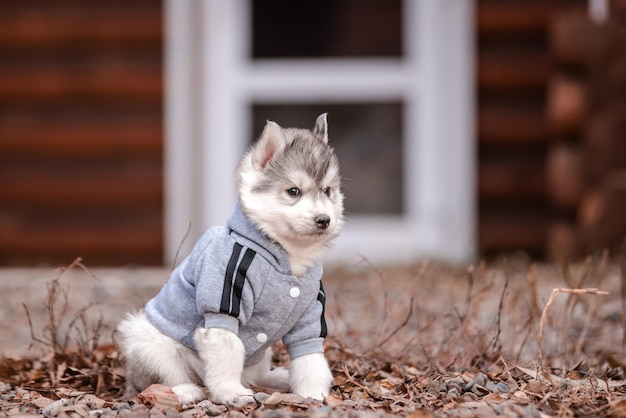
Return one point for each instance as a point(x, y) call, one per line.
point(54, 408)
point(452, 395)
point(212, 409)
point(261, 397)
point(119, 406)
point(191, 413)
point(170, 413)
point(454, 385)
point(156, 413)
point(479, 380)
point(500, 387)
point(7, 396)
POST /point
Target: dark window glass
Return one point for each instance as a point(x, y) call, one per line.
point(326, 28)
point(368, 140)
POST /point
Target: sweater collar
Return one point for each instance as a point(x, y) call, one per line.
point(241, 225)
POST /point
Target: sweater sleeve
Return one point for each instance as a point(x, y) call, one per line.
point(224, 297)
point(211, 273)
point(307, 336)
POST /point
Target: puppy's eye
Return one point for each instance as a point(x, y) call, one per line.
point(294, 191)
point(327, 191)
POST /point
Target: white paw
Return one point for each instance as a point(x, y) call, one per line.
point(188, 393)
point(310, 376)
point(315, 391)
point(235, 395)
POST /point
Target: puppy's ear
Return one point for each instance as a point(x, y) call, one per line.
point(271, 141)
point(321, 127)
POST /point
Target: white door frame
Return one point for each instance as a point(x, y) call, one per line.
point(210, 83)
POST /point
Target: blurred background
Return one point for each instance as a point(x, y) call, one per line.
point(119, 118)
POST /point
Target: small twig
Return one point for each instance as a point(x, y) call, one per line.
point(529, 329)
point(468, 294)
point(78, 262)
point(573, 299)
point(475, 301)
point(496, 346)
point(623, 293)
point(33, 337)
point(80, 315)
point(508, 372)
point(402, 325)
point(592, 305)
point(532, 278)
point(180, 246)
point(385, 310)
point(544, 318)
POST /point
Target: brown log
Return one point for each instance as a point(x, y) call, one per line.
point(503, 125)
point(601, 216)
point(565, 176)
point(512, 232)
point(566, 104)
point(563, 241)
point(102, 84)
point(67, 187)
point(80, 131)
point(514, 180)
point(618, 10)
point(84, 138)
point(130, 240)
point(607, 65)
point(591, 209)
point(495, 17)
point(571, 36)
point(44, 29)
point(603, 141)
point(513, 70)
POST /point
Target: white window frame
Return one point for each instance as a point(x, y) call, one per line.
point(211, 82)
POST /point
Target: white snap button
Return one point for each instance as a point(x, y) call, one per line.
point(260, 337)
point(294, 292)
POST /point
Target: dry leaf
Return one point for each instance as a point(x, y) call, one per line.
point(160, 397)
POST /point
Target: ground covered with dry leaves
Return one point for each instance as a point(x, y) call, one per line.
point(504, 338)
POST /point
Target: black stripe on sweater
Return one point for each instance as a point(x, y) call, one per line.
point(321, 298)
point(242, 271)
point(228, 279)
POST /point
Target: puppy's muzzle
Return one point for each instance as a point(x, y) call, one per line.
point(322, 221)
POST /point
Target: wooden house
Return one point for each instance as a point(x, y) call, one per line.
point(494, 125)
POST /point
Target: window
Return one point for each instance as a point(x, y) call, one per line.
point(396, 78)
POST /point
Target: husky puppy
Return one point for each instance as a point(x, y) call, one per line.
point(248, 284)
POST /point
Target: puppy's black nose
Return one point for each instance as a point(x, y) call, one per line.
point(322, 221)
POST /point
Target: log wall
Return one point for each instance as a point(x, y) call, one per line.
point(587, 119)
point(80, 131)
point(81, 138)
point(513, 68)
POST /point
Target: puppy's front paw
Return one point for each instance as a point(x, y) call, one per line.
point(235, 395)
point(310, 376)
point(188, 393)
point(313, 391)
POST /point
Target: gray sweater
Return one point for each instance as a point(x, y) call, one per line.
point(238, 279)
